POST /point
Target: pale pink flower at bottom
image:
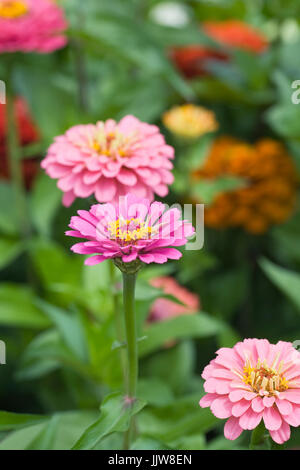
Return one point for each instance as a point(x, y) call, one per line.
point(163, 308)
point(134, 229)
point(255, 381)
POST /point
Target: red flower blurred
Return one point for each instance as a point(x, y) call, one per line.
point(163, 309)
point(190, 60)
point(28, 134)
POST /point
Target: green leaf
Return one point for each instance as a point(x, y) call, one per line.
point(54, 265)
point(175, 365)
point(287, 281)
point(154, 391)
point(70, 327)
point(17, 307)
point(45, 199)
point(9, 250)
point(70, 425)
point(206, 190)
point(8, 219)
point(46, 438)
point(114, 417)
point(183, 417)
point(10, 421)
point(158, 334)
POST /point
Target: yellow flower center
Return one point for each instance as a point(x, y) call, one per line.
point(10, 9)
point(262, 378)
point(127, 231)
point(113, 144)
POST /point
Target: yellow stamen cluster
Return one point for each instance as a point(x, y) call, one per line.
point(190, 121)
point(112, 144)
point(129, 230)
point(10, 9)
point(262, 378)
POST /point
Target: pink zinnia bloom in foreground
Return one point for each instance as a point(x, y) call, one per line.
point(255, 381)
point(132, 230)
point(109, 160)
point(31, 25)
point(165, 308)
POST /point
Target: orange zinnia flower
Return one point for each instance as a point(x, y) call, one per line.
point(269, 194)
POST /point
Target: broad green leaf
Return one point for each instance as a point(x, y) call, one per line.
point(206, 190)
point(70, 327)
point(9, 250)
point(174, 365)
point(154, 391)
point(46, 438)
point(45, 199)
point(114, 417)
point(287, 281)
point(17, 307)
point(10, 421)
point(158, 334)
point(69, 426)
point(183, 417)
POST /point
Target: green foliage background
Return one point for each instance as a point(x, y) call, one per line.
point(56, 315)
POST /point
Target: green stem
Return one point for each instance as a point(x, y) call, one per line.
point(14, 155)
point(132, 350)
point(118, 317)
point(257, 436)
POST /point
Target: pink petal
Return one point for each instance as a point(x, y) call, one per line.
point(68, 198)
point(250, 419)
point(221, 407)
point(240, 408)
point(272, 419)
point(268, 401)
point(232, 429)
point(282, 434)
point(127, 177)
point(105, 190)
point(95, 260)
point(257, 404)
point(207, 400)
point(284, 407)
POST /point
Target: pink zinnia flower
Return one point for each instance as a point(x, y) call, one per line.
point(252, 381)
point(165, 308)
point(132, 230)
point(109, 160)
point(31, 25)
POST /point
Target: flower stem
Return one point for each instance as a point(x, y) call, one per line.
point(118, 317)
point(132, 350)
point(257, 436)
point(14, 154)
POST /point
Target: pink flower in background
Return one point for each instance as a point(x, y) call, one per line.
point(165, 308)
point(255, 381)
point(109, 160)
point(31, 25)
point(132, 230)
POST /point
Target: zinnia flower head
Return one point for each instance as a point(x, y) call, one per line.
point(269, 194)
point(109, 160)
point(255, 381)
point(131, 231)
point(191, 59)
point(190, 121)
point(31, 25)
point(163, 308)
point(28, 133)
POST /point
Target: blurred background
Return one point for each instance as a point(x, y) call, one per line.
point(217, 77)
